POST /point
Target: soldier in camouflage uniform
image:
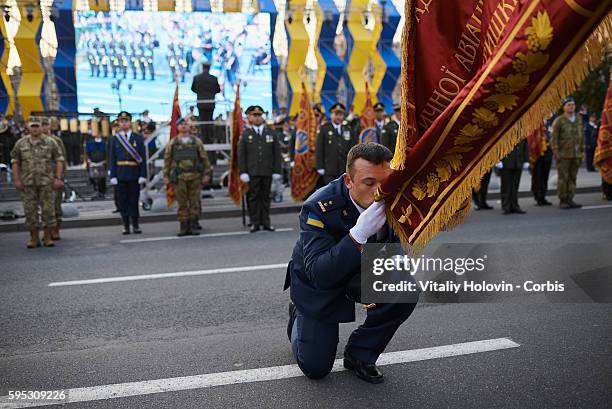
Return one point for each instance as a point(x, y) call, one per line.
point(38, 166)
point(186, 166)
point(567, 143)
point(46, 130)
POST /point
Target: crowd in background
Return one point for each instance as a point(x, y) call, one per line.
point(86, 144)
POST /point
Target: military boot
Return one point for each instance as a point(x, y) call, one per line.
point(195, 228)
point(135, 227)
point(184, 229)
point(55, 233)
point(47, 240)
point(34, 239)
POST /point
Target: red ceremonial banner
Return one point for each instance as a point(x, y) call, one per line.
point(603, 151)
point(235, 186)
point(537, 144)
point(304, 173)
point(472, 111)
point(367, 120)
point(176, 114)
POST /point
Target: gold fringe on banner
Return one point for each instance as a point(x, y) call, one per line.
point(586, 59)
point(401, 146)
point(457, 207)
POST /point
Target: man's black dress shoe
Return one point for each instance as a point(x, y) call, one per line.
point(367, 372)
point(518, 210)
point(136, 229)
point(254, 229)
point(291, 319)
point(269, 228)
point(485, 206)
point(126, 230)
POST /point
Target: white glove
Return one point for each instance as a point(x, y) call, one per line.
point(499, 165)
point(292, 164)
point(114, 181)
point(369, 222)
point(276, 176)
point(244, 177)
point(142, 181)
point(321, 172)
point(526, 165)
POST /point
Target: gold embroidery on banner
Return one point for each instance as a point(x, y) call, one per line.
point(561, 59)
point(540, 33)
point(405, 218)
point(539, 36)
point(451, 123)
point(530, 62)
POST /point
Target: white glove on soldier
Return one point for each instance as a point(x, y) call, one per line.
point(369, 222)
point(276, 176)
point(526, 165)
point(321, 172)
point(499, 165)
point(114, 181)
point(244, 177)
point(142, 181)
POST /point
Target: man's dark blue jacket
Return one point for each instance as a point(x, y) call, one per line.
point(324, 271)
point(117, 153)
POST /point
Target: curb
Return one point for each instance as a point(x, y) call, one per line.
point(218, 214)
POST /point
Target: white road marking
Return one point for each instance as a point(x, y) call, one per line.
point(168, 275)
point(201, 236)
point(596, 207)
point(121, 390)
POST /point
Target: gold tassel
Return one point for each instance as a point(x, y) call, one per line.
point(401, 146)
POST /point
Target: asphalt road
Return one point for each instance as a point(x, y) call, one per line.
point(89, 335)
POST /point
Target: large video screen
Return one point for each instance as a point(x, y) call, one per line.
point(129, 61)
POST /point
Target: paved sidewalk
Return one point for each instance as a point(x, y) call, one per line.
point(100, 213)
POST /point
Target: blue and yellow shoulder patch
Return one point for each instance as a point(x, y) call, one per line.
point(314, 220)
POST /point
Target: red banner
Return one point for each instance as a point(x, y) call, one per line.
point(537, 144)
point(235, 186)
point(523, 64)
point(176, 114)
point(603, 151)
point(304, 173)
point(367, 120)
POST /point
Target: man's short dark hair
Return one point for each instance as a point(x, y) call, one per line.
point(372, 152)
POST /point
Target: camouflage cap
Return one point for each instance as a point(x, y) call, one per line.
point(34, 120)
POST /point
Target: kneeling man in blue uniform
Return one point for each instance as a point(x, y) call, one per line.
point(325, 270)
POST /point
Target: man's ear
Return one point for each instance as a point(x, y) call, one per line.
point(347, 180)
